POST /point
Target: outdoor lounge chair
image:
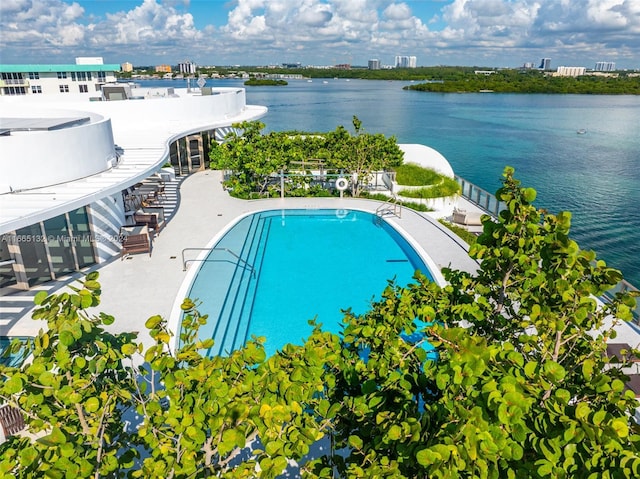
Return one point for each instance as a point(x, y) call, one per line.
point(11, 421)
point(466, 218)
point(135, 239)
point(152, 217)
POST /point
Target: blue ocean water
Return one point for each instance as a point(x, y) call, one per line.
point(595, 175)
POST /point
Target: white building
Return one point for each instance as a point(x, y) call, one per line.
point(86, 77)
point(605, 66)
point(403, 61)
point(374, 64)
point(187, 67)
point(68, 161)
point(570, 71)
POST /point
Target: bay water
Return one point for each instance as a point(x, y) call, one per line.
point(594, 174)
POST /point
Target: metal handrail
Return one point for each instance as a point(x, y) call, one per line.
point(384, 207)
point(240, 260)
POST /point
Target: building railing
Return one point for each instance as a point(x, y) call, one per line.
point(479, 197)
point(489, 203)
point(14, 82)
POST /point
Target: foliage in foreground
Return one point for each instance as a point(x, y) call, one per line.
point(523, 390)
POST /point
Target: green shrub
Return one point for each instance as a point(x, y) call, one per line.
point(415, 175)
point(465, 235)
point(407, 204)
point(448, 187)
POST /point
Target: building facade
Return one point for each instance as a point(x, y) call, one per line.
point(374, 64)
point(545, 64)
point(82, 78)
point(563, 71)
point(605, 66)
point(68, 162)
point(403, 61)
point(187, 67)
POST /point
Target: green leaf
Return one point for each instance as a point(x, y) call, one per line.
point(27, 456)
point(427, 457)
point(355, 442)
point(92, 404)
point(621, 427)
point(55, 438)
point(395, 432)
point(40, 297)
point(153, 321)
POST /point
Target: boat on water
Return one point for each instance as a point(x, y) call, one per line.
point(581, 131)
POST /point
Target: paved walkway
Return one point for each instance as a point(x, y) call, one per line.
point(140, 286)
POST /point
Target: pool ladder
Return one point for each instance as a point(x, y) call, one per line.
point(240, 260)
point(393, 206)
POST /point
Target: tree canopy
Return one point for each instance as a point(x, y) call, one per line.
point(255, 159)
point(499, 373)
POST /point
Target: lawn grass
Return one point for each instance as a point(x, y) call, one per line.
point(415, 175)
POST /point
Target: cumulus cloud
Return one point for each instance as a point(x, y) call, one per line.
point(484, 32)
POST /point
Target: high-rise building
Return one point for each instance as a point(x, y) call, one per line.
point(570, 71)
point(545, 64)
point(374, 64)
point(403, 61)
point(187, 67)
point(163, 69)
point(126, 67)
point(605, 66)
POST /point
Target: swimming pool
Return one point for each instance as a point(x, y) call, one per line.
point(274, 270)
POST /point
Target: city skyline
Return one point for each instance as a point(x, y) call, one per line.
point(498, 33)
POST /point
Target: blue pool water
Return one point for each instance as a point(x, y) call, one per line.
point(297, 265)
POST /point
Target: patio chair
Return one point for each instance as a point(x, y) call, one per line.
point(152, 217)
point(135, 239)
point(464, 217)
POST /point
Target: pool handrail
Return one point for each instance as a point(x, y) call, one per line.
point(240, 260)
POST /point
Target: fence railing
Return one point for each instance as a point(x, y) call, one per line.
point(489, 203)
point(479, 197)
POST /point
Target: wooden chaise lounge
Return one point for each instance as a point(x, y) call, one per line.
point(135, 239)
point(152, 217)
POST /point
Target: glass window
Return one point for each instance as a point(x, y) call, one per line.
point(62, 75)
point(34, 76)
point(34, 255)
point(73, 76)
point(84, 88)
point(36, 89)
point(82, 240)
point(59, 243)
point(64, 88)
point(102, 76)
point(7, 276)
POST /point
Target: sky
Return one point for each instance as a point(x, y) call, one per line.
point(488, 33)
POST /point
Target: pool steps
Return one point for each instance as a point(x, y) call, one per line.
point(231, 325)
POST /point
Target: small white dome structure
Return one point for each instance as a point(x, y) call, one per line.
point(426, 157)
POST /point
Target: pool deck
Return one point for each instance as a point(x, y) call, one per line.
point(140, 286)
